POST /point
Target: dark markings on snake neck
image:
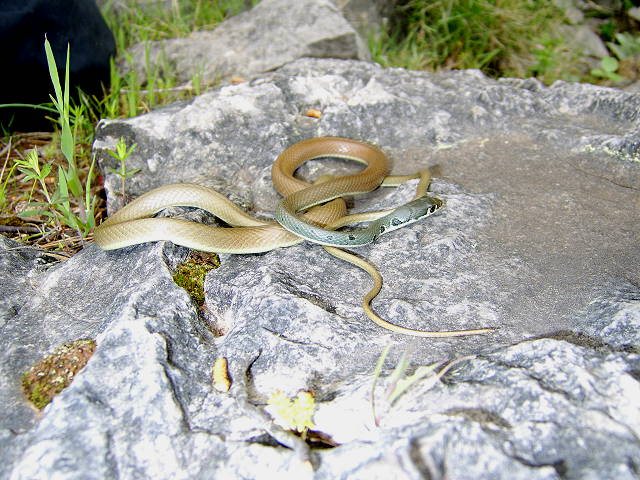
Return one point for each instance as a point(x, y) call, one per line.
point(351, 237)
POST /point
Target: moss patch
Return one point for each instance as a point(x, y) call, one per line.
point(56, 371)
point(190, 275)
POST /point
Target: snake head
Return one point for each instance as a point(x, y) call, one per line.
point(409, 212)
point(416, 209)
point(424, 206)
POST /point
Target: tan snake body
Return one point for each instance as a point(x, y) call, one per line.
point(131, 225)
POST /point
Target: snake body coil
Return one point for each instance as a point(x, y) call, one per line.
point(365, 181)
point(322, 203)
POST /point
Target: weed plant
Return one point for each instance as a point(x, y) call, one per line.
point(70, 204)
point(50, 193)
point(399, 381)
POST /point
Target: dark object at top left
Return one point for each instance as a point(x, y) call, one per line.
point(25, 78)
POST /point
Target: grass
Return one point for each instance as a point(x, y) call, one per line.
point(121, 153)
point(49, 196)
point(67, 201)
point(502, 38)
point(398, 382)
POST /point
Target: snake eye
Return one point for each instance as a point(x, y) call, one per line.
point(433, 208)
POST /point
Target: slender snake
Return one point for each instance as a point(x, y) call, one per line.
point(307, 212)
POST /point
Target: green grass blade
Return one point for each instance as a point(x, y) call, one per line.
point(66, 85)
point(53, 71)
point(61, 102)
point(399, 370)
point(89, 202)
point(376, 375)
point(43, 106)
point(33, 213)
point(63, 191)
point(404, 383)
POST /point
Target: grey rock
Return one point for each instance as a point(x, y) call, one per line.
point(368, 17)
point(633, 87)
point(262, 39)
point(614, 317)
point(571, 12)
point(539, 238)
point(598, 7)
point(582, 38)
point(634, 13)
point(39, 313)
point(607, 6)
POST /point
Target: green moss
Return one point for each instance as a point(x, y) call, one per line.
point(39, 396)
point(190, 275)
point(52, 374)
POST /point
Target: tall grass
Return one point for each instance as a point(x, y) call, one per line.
point(61, 193)
point(135, 24)
point(70, 203)
point(499, 37)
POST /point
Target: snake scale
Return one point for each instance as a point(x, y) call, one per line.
point(310, 212)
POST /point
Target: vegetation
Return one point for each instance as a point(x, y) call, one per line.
point(626, 51)
point(503, 38)
point(295, 414)
point(498, 37)
point(121, 153)
point(55, 372)
point(398, 382)
point(50, 194)
point(69, 187)
point(190, 275)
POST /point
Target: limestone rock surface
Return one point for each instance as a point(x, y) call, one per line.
point(539, 239)
point(262, 39)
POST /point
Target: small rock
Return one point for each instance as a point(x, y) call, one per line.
point(266, 37)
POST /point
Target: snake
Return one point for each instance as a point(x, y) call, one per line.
point(307, 212)
point(375, 173)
